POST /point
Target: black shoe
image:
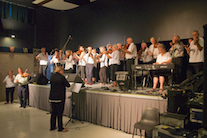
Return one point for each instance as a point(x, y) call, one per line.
point(24, 106)
point(20, 106)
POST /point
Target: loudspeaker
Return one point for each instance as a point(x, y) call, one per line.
point(72, 77)
point(122, 79)
point(176, 98)
point(39, 79)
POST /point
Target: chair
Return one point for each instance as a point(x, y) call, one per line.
point(149, 120)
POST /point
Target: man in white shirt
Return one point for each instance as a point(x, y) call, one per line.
point(143, 54)
point(103, 64)
point(131, 54)
point(22, 80)
point(88, 58)
point(121, 57)
point(177, 52)
point(153, 49)
point(43, 59)
point(115, 61)
point(196, 53)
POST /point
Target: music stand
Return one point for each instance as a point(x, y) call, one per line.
point(75, 88)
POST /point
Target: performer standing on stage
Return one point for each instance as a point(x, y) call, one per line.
point(177, 52)
point(22, 80)
point(163, 58)
point(10, 86)
point(55, 59)
point(68, 61)
point(196, 53)
point(57, 98)
point(115, 62)
point(81, 62)
point(143, 54)
point(103, 65)
point(43, 59)
point(153, 49)
point(121, 57)
point(108, 70)
point(95, 68)
point(88, 58)
point(131, 54)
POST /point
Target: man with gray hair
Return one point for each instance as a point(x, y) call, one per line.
point(43, 59)
point(177, 52)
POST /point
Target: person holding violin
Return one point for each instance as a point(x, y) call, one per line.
point(88, 58)
point(153, 49)
point(103, 60)
point(143, 54)
point(55, 59)
point(131, 54)
point(115, 61)
point(108, 70)
point(121, 57)
point(177, 52)
point(196, 54)
point(68, 60)
point(43, 59)
point(95, 68)
point(10, 86)
point(81, 63)
point(22, 80)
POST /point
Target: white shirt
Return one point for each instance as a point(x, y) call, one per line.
point(81, 62)
point(54, 59)
point(195, 54)
point(178, 50)
point(115, 57)
point(133, 51)
point(69, 63)
point(103, 61)
point(21, 80)
point(9, 83)
point(145, 57)
point(154, 51)
point(43, 59)
point(164, 58)
point(88, 59)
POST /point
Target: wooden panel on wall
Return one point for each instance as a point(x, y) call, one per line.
point(12, 61)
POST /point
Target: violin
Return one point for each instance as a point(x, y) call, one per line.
point(25, 74)
point(140, 51)
point(109, 52)
point(125, 46)
point(157, 43)
point(67, 57)
point(79, 52)
point(99, 56)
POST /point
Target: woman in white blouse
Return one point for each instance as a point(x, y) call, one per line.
point(10, 86)
point(163, 58)
point(68, 61)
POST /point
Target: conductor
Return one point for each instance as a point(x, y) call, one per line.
point(57, 98)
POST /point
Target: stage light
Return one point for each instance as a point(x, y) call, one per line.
point(13, 36)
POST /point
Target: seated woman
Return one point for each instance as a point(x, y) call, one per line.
point(163, 58)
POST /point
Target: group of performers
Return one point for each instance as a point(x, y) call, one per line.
point(115, 57)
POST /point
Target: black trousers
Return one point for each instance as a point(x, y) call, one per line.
point(57, 112)
point(108, 73)
point(114, 68)
point(11, 91)
point(121, 66)
point(178, 77)
point(129, 63)
point(194, 68)
point(95, 73)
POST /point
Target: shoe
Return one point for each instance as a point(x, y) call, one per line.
point(24, 106)
point(11, 103)
point(6, 103)
point(152, 90)
point(64, 130)
point(20, 106)
point(160, 90)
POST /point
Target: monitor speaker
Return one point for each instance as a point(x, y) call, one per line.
point(39, 79)
point(72, 77)
point(122, 79)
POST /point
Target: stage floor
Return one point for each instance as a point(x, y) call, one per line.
point(138, 90)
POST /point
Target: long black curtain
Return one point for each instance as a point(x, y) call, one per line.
point(16, 12)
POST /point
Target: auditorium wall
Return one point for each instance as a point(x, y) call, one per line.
point(12, 61)
point(107, 21)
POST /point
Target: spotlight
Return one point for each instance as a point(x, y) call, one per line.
point(13, 36)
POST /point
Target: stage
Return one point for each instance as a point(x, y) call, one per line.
point(117, 110)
